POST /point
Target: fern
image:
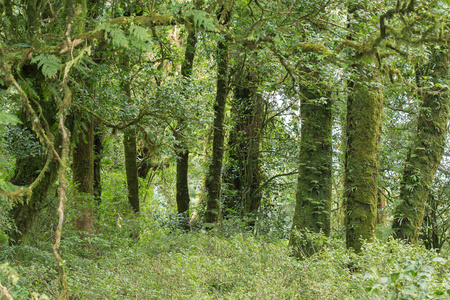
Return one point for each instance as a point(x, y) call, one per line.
point(201, 19)
point(49, 64)
point(118, 37)
point(117, 34)
point(139, 32)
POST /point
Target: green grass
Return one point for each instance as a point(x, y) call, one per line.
point(169, 265)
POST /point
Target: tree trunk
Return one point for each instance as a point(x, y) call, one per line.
point(98, 154)
point(364, 113)
point(182, 196)
point(364, 116)
point(425, 156)
point(313, 199)
point(244, 172)
point(28, 168)
point(213, 184)
point(129, 142)
point(83, 174)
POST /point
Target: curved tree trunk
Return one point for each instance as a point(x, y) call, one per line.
point(425, 156)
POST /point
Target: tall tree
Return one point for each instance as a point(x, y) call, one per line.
point(364, 112)
point(429, 142)
point(182, 196)
point(83, 173)
point(244, 171)
point(83, 153)
point(129, 141)
point(213, 184)
point(314, 187)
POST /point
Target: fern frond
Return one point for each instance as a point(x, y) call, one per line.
point(49, 64)
point(139, 32)
point(201, 19)
point(118, 37)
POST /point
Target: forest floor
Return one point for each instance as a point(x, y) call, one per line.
point(163, 264)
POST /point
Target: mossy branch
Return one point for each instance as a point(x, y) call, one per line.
point(32, 116)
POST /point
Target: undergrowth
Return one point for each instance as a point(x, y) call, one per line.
point(165, 264)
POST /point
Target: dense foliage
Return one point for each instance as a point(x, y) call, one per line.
point(224, 149)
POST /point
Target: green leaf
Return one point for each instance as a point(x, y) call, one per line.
point(7, 118)
point(201, 19)
point(395, 276)
point(438, 259)
point(139, 32)
point(118, 37)
point(49, 64)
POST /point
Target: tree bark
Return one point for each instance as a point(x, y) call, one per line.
point(129, 142)
point(213, 184)
point(314, 187)
point(83, 174)
point(244, 171)
point(364, 120)
point(130, 149)
point(182, 196)
point(364, 113)
point(98, 154)
point(425, 156)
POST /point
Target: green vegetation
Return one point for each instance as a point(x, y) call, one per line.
point(242, 149)
point(168, 265)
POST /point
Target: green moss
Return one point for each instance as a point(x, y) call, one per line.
point(313, 199)
point(364, 113)
point(426, 154)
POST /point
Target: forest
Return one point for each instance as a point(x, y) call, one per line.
point(214, 149)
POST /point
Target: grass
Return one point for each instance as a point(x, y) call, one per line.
point(164, 264)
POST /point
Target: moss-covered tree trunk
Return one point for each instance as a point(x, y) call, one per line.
point(129, 142)
point(98, 154)
point(363, 133)
point(426, 153)
point(213, 183)
point(130, 148)
point(28, 168)
point(364, 113)
point(182, 196)
point(244, 171)
point(83, 174)
point(314, 187)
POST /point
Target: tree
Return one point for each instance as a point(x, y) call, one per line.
point(314, 188)
point(426, 153)
point(244, 171)
point(213, 183)
point(182, 196)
